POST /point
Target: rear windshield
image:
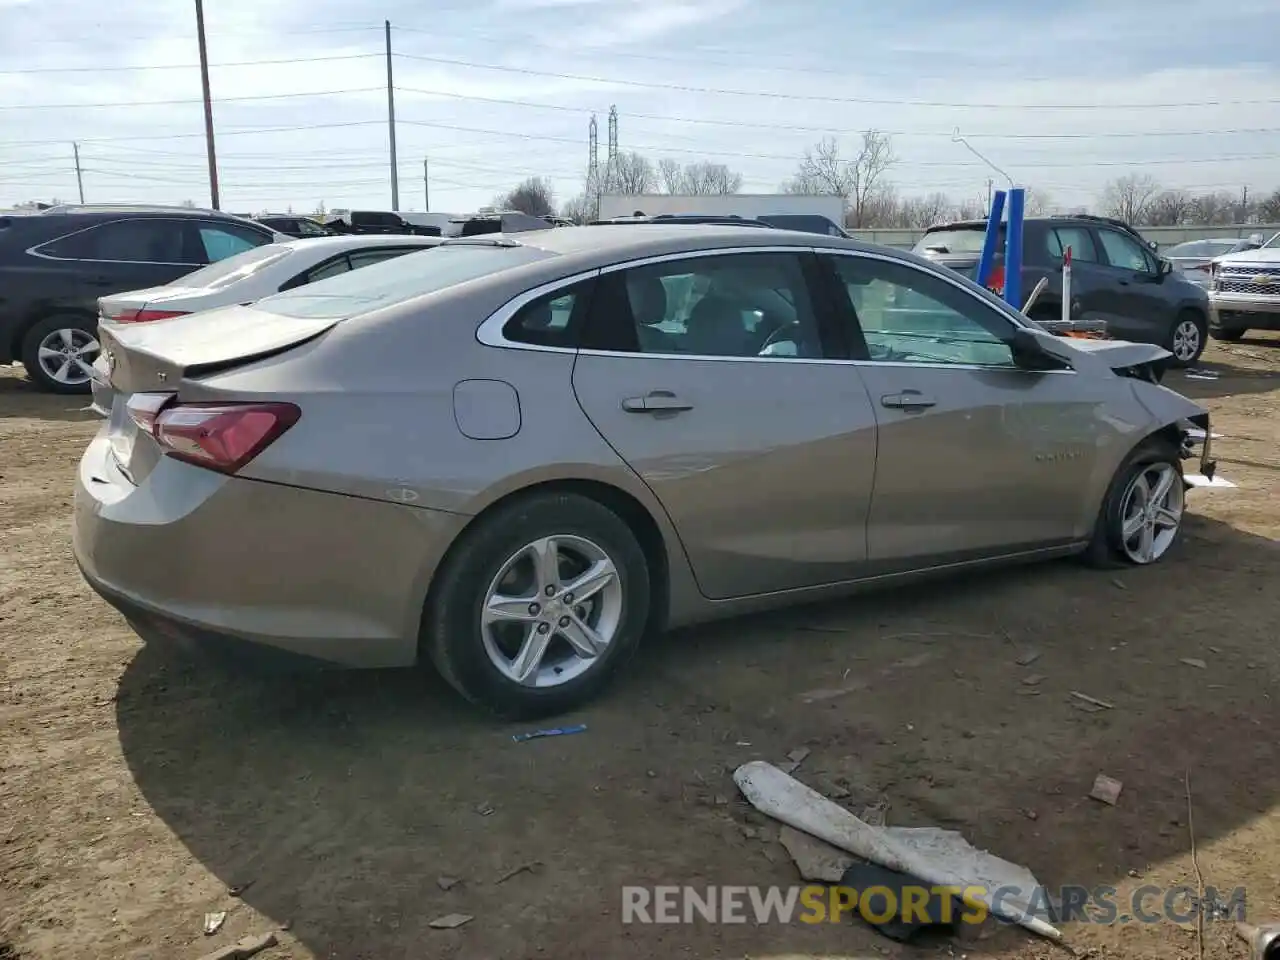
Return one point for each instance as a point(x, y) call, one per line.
point(231, 269)
point(396, 280)
point(953, 241)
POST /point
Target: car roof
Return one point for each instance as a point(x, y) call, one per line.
point(358, 241)
point(599, 245)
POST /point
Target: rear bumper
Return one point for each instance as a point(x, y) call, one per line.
point(225, 562)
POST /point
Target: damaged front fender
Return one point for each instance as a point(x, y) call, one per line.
point(1171, 409)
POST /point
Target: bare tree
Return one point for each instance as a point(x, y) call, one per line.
point(671, 174)
point(1037, 202)
point(534, 196)
point(632, 174)
point(1269, 209)
point(823, 171)
point(972, 208)
point(1129, 197)
point(320, 209)
point(920, 212)
point(581, 209)
point(1214, 209)
point(189, 204)
point(1169, 208)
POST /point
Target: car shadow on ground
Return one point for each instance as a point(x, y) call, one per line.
point(22, 399)
point(343, 797)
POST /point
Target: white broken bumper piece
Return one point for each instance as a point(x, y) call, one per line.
point(940, 857)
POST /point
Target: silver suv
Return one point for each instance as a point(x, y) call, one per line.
point(1244, 292)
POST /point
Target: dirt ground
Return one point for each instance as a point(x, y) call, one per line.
point(139, 788)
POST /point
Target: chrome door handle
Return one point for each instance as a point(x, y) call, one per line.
point(656, 401)
point(909, 400)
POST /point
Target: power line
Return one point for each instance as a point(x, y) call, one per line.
point(188, 66)
point(221, 133)
point(756, 125)
point(724, 91)
point(166, 103)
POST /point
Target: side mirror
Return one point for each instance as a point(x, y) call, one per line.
point(1029, 352)
point(1165, 267)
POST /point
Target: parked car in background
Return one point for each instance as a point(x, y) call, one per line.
point(514, 457)
point(1244, 291)
point(294, 226)
point(376, 221)
point(497, 221)
point(1195, 257)
point(1116, 278)
point(244, 278)
point(54, 266)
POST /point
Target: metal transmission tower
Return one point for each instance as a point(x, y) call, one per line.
point(611, 163)
point(593, 164)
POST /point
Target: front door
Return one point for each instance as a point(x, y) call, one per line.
point(976, 456)
point(713, 377)
point(1143, 312)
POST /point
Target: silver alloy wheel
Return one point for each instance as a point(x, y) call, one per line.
point(1151, 513)
point(1186, 340)
point(552, 610)
point(66, 356)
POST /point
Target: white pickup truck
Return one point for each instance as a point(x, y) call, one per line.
point(1244, 292)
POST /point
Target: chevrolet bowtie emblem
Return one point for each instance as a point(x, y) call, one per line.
point(1264, 279)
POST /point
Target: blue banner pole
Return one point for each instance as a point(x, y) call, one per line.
point(1013, 249)
point(990, 241)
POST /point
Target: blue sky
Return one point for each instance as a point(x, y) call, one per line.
point(1071, 95)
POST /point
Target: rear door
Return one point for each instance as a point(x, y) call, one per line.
point(120, 255)
point(1092, 287)
point(976, 456)
point(717, 379)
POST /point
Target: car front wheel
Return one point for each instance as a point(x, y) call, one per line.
point(539, 605)
point(59, 352)
point(1187, 339)
point(1141, 515)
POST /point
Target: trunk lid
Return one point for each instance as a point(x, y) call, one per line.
point(147, 362)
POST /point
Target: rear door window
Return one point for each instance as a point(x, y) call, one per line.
point(144, 240)
point(1079, 239)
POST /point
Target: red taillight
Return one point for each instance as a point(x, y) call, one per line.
point(146, 316)
point(221, 436)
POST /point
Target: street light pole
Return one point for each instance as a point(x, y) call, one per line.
point(391, 124)
point(208, 107)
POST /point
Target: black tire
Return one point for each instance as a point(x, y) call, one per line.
point(31, 343)
point(452, 638)
point(1229, 335)
point(1202, 330)
point(1105, 549)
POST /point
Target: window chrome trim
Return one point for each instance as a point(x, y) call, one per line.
point(34, 250)
point(490, 334)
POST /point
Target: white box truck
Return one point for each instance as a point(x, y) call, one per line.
point(816, 214)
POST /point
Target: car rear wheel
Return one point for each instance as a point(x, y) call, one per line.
point(59, 352)
point(1141, 515)
point(539, 605)
point(1187, 339)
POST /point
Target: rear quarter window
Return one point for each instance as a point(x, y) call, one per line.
point(394, 281)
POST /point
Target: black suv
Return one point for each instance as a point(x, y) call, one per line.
point(376, 221)
point(1116, 278)
point(55, 265)
point(292, 225)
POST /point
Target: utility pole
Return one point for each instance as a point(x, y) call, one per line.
point(1244, 204)
point(208, 107)
point(391, 124)
point(79, 179)
point(426, 187)
point(593, 166)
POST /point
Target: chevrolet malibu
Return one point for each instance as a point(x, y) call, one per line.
point(514, 458)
